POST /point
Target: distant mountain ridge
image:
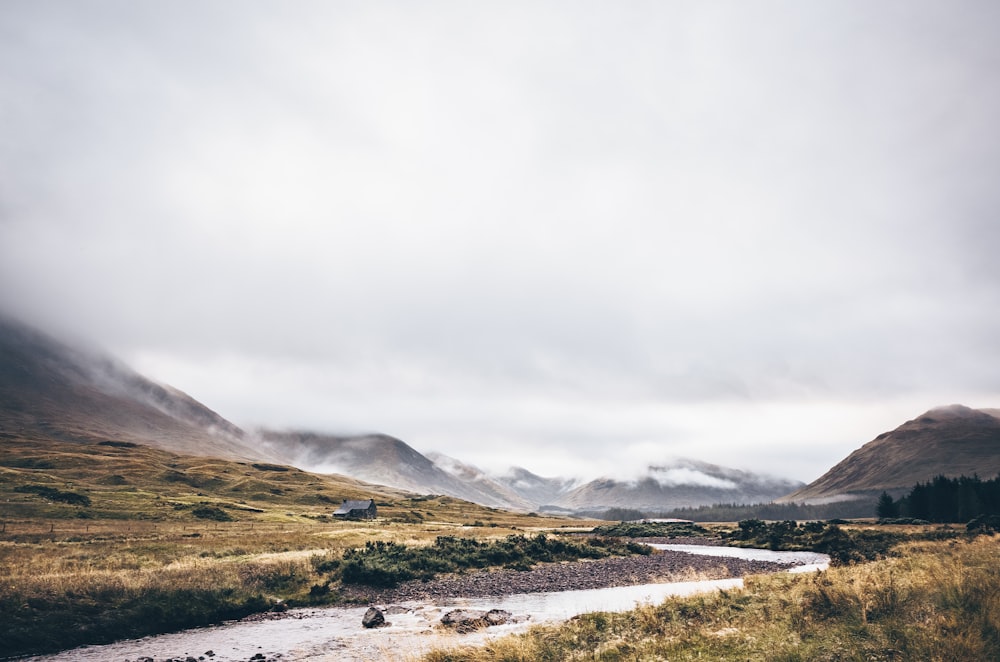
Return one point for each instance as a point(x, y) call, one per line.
point(681, 483)
point(385, 460)
point(952, 441)
point(535, 488)
point(389, 461)
point(52, 390)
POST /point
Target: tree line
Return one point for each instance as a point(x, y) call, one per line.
point(735, 512)
point(944, 499)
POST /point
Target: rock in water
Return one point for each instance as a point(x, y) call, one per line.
point(373, 618)
point(465, 620)
point(497, 616)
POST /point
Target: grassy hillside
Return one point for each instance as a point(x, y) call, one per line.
point(952, 441)
point(106, 479)
point(122, 480)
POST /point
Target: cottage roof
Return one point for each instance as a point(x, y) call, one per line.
point(348, 506)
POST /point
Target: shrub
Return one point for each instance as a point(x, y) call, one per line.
point(652, 530)
point(212, 513)
point(118, 444)
point(386, 564)
point(52, 494)
point(984, 524)
point(841, 545)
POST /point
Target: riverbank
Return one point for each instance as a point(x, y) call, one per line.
point(937, 600)
point(659, 567)
point(414, 627)
point(68, 583)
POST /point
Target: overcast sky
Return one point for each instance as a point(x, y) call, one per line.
point(573, 236)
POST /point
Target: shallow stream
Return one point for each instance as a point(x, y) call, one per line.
point(335, 633)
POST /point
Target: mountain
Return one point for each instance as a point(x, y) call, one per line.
point(484, 483)
point(388, 461)
point(536, 489)
point(55, 391)
point(951, 441)
point(379, 458)
point(679, 484)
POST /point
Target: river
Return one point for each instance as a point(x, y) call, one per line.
point(335, 633)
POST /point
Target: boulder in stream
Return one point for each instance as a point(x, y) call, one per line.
point(498, 617)
point(468, 620)
point(373, 618)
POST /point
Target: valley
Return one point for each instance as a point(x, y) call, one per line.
point(54, 392)
point(128, 508)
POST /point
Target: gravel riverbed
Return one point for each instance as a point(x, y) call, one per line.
point(658, 567)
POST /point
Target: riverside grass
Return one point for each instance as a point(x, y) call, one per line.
point(928, 601)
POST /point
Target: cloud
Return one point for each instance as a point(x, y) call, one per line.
point(674, 476)
point(524, 226)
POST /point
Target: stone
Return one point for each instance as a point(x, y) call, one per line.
point(498, 617)
point(465, 620)
point(373, 618)
point(468, 620)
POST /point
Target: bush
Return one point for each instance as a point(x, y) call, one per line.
point(652, 530)
point(386, 564)
point(118, 444)
point(212, 513)
point(52, 494)
point(841, 545)
point(984, 524)
point(622, 514)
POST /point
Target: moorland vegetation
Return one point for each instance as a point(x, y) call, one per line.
point(102, 541)
point(928, 601)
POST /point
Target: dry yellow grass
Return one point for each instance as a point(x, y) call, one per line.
point(933, 601)
point(103, 541)
point(72, 581)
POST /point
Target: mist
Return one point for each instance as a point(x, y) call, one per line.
point(578, 238)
